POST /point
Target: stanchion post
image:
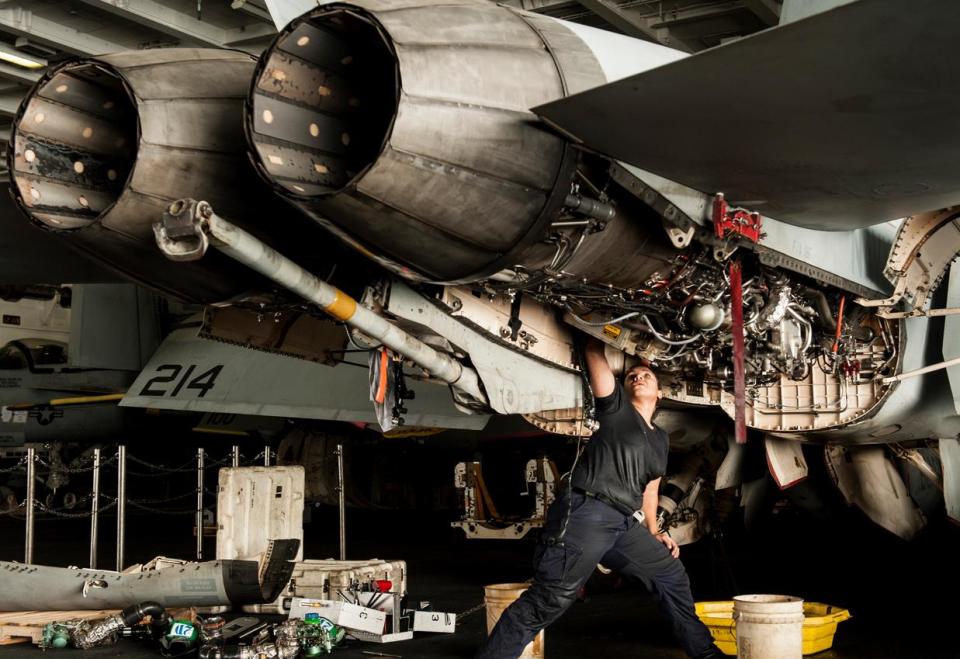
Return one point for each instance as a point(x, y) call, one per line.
point(31, 495)
point(341, 501)
point(266, 455)
point(121, 503)
point(235, 456)
point(199, 504)
point(95, 508)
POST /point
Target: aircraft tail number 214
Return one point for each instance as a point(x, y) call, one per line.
point(170, 379)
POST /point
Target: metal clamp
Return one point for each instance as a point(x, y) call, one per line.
point(179, 234)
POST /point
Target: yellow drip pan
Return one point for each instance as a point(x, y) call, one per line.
point(819, 625)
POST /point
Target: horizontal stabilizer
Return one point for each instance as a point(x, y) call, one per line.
point(844, 119)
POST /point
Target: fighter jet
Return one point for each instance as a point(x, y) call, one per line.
point(468, 188)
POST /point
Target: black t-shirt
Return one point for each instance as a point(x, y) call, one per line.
point(623, 455)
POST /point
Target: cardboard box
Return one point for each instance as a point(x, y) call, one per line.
point(346, 615)
point(434, 621)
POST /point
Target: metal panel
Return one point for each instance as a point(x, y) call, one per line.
point(112, 326)
point(498, 143)
point(786, 461)
point(951, 334)
point(869, 480)
point(256, 504)
point(492, 77)
point(460, 203)
point(514, 382)
point(206, 78)
point(950, 459)
point(258, 383)
point(476, 24)
point(793, 121)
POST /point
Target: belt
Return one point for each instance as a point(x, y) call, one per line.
point(603, 498)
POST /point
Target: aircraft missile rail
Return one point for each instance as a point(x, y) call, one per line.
point(190, 227)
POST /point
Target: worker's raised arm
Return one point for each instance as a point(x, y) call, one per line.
point(601, 377)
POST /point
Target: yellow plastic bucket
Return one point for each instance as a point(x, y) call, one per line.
point(497, 598)
point(819, 625)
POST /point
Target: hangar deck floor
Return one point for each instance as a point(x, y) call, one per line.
point(900, 594)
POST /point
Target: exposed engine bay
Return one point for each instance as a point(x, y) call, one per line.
point(509, 231)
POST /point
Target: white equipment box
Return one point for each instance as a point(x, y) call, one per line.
point(256, 505)
point(331, 579)
point(349, 616)
point(434, 621)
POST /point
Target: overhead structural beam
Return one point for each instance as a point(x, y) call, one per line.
point(767, 11)
point(159, 17)
point(632, 25)
point(248, 7)
point(9, 102)
point(24, 22)
point(18, 74)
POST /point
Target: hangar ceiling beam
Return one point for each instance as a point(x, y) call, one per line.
point(767, 11)
point(18, 74)
point(24, 22)
point(9, 102)
point(632, 25)
point(161, 18)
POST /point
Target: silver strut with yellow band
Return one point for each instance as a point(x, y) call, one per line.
point(189, 228)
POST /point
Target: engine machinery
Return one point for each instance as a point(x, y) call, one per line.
point(405, 130)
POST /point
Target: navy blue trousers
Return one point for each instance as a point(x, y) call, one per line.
point(596, 533)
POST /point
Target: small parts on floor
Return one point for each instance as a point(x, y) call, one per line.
point(314, 627)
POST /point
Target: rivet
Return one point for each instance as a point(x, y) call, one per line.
point(303, 41)
point(276, 160)
point(321, 169)
point(267, 117)
point(323, 90)
point(35, 194)
point(279, 75)
point(314, 129)
point(78, 167)
point(62, 88)
point(298, 188)
point(39, 117)
point(345, 138)
point(87, 132)
point(112, 174)
point(107, 105)
point(29, 155)
point(83, 201)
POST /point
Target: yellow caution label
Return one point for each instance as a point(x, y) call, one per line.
point(612, 331)
point(342, 307)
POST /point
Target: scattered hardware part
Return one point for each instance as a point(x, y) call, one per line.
point(85, 634)
point(181, 639)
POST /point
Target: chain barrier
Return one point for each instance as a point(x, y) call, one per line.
point(469, 612)
point(13, 511)
point(19, 465)
point(158, 511)
point(59, 512)
point(75, 470)
point(182, 469)
point(185, 467)
point(191, 493)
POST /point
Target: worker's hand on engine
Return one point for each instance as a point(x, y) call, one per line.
point(669, 543)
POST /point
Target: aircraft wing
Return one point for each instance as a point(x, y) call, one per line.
point(838, 121)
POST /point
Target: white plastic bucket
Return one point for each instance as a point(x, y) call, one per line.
point(768, 626)
point(498, 597)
